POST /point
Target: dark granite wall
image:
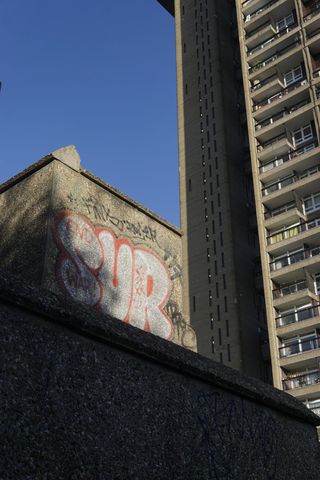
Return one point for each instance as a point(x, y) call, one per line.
point(86, 397)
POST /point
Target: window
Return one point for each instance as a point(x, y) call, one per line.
point(302, 134)
point(293, 75)
point(285, 22)
point(311, 203)
point(227, 328)
point(229, 353)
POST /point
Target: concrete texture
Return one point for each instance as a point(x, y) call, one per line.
point(87, 397)
point(72, 233)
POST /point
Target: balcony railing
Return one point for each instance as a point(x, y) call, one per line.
point(280, 210)
point(283, 113)
point(312, 13)
point(271, 39)
point(313, 33)
point(272, 141)
point(301, 380)
point(296, 257)
point(276, 162)
point(259, 10)
point(274, 57)
point(256, 30)
point(299, 347)
point(289, 289)
point(282, 183)
point(292, 231)
point(264, 82)
point(280, 94)
point(297, 316)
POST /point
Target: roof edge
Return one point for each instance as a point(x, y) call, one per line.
point(168, 5)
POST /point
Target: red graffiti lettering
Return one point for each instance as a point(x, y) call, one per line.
point(127, 282)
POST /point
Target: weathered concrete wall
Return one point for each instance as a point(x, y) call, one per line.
point(86, 397)
point(97, 246)
point(24, 221)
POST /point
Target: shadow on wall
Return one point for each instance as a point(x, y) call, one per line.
point(23, 225)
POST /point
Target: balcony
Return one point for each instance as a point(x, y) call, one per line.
point(313, 34)
point(252, 8)
point(289, 155)
point(267, 86)
point(312, 13)
point(297, 316)
point(279, 95)
point(274, 57)
point(289, 289)
point(280, 115)
point(266, 43)
point(300, 380)
point(293, 258)
point(279, 211)
point(293, 178)
point(273, 147)
point(259, 32)
point(293, 231)
point(298, 348)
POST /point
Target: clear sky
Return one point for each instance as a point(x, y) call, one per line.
point(98, 74)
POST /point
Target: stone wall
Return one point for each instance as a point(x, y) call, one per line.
point(86, 397)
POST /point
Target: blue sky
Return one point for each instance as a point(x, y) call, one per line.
point(99, 75)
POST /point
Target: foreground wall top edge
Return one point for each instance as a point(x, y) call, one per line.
point(49, 306)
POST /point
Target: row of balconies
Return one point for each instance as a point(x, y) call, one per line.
point(301, 380)
point(270, 100)
point(298, 315)
point(293, 258)
point(292, 231)
point(291, 154)
point(268, 41)
point(266, 122)
point(300, 344)
point(276, 55)
point(255, 10)
point(289, 180)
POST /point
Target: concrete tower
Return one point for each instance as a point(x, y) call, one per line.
point(221, 263)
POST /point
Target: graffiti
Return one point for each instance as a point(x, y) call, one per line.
point(183, 330)
point(173, 265)
point(103, 214)
point(125, 281)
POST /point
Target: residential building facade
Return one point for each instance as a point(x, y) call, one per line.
point(280, 52)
